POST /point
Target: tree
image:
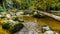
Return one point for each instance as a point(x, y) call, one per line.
point(45, 4)
point(21, 4)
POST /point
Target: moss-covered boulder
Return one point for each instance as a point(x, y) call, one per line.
point(12, 28)
point(16, 27)
point(6, 26)
point(38, 15)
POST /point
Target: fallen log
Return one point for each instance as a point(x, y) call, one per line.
point(50, 15)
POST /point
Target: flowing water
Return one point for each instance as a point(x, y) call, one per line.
point(53, 24)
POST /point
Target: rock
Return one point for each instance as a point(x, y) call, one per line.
point(11, 27)
point(16, 28)
point(38, 15)
point(29, 28)
point(45, 28)
point(22, 31)
point(30, 32)
point(49, 32)
point(8, 15)
point(0, 15)
point(12, 21)
point(35, 13)
point(35, 32)
point(19, 13)
point(31, 25)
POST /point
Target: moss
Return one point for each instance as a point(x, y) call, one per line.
point(13, 28)
point(6, 26)
point(38, 15)
point(17, 19)
point(16, 28)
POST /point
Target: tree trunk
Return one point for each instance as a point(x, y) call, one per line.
point(50, 15)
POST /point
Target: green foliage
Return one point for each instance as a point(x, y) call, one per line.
point(46, 4)
point(36, 4)
point(20, 4)
point(39, 4)
point(56, 6)
point(1, 9)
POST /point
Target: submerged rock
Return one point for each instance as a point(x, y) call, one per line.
point(50, 32)
point(30, 25)
point(45, 28)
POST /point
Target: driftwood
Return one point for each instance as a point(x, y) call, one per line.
point(50, 15)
